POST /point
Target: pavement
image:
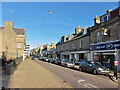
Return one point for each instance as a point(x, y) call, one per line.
point(114, 78)
point(31, 75)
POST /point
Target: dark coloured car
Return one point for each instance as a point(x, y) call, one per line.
point(40, 58)
point(57, 61)
point(33, 58)
point(94, 67)
point(51, 60)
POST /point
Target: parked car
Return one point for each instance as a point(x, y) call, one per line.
point(51, 60)
point(94, 67)
point(46, 59)
point(77, 64)
point(40, 58)
point(57, 61)
point(33, 58)
point(67, 63)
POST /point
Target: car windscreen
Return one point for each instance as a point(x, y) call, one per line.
point(96, 64)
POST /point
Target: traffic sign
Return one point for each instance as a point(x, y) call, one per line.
point(116, 63)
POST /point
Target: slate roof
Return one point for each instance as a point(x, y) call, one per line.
point(18, 31)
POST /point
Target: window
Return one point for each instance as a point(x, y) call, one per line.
point(62, 47)
point(105, 18)
point(102, 32)
point(19, 45)
point(98, 37)
point(67, 46)
point(73, 45)
point(81, 43)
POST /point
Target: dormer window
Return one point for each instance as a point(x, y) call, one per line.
point(105, 18)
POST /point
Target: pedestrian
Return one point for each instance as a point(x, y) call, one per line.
point(44, 59)
point(74, 60)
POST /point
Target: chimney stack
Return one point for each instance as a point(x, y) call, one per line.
point(108, 11)
point(96, 20)
point(9, 24)
point(78, 30)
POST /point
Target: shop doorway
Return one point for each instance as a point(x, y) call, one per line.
point(108, 61)
point(81, 56)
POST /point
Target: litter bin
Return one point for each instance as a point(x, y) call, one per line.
point(9, 68)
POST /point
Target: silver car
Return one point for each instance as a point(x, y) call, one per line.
point(67, 63)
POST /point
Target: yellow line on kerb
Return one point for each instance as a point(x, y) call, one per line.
point(66, 84)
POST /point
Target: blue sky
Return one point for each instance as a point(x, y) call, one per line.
point(42, 28)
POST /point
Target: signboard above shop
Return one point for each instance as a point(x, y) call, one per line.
point(106, 46)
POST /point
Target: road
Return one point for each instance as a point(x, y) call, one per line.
point(78, 79)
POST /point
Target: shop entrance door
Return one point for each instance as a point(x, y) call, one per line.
point(108, 61)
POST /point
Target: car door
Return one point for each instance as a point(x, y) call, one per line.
point(76, 65)
point(88, 66)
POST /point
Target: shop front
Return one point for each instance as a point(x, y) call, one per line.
point(80, 55)
point(66, 55)
point(106, 53)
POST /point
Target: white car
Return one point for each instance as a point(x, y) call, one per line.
point(46, 59)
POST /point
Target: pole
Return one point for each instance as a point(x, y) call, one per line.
point(115, 70)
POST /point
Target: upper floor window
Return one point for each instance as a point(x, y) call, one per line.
point(19, 45)
point(62, 47)
point(81, 43)
point(67, 46)
point(105, 18)
point(73, 44)
point(99, 36)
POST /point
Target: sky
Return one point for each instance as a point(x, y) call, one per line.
point(42, 28)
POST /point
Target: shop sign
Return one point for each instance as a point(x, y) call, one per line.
point(106, 46)
point(116, 63)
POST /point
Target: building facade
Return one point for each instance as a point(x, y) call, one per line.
point(105, 39)
point(13, 41)
point(77, 47)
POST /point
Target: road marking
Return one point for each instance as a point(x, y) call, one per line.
point(88, 85)
point(79, 81)
point(66, 84)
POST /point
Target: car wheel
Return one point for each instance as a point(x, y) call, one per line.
point(80, 69)
point(94, 71)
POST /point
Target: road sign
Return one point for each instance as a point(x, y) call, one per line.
point(116, 63)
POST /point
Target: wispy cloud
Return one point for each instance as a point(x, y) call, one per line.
point(11, 11)
point(64, 23)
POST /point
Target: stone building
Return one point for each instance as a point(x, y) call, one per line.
point(12, 41)
point(77, 47)
point(105, 38)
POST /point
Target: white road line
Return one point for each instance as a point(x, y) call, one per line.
point(90, 86)
point(79, 81)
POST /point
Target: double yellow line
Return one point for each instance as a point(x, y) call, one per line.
point(68, 85)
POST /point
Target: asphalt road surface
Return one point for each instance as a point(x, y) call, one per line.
point(79, 79)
